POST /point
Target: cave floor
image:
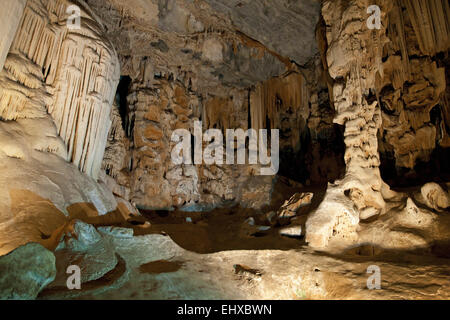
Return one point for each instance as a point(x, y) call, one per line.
point(217, 256)
point(155, 267)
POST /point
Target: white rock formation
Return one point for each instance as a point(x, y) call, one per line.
point(56, 92)
point(9, 22)
point(370, 70)
point(81, 70)
point(85, 247)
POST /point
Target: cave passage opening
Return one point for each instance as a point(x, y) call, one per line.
point(123, 90)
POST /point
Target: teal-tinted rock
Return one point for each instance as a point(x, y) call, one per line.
point(25, 272)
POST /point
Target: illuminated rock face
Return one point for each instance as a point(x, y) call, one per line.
point(154, 180)
point(56, 93)
point(71, 74)
point(414, 89)
point(80, 70)
point(346, 98)
point(206, 70)
point(10, 17)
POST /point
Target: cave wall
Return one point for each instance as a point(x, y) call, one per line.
point(143, 171)
point(159, 103)
point(146, 174)
point(412, 91)
point(202, 70)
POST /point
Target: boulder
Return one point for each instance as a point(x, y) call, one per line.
point(86, 248)
point(292, 231)
point(290, 207)
point(413, 217)
point(435, 197)
point(25, 272)
point(117, 232)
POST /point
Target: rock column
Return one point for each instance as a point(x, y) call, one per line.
point(354, 59)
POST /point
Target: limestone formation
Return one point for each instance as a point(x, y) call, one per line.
point(81, 70)
point(411, 91)
point(56, 92)
point(359, 63)
point(435, 197)
point(158, 183)
point(290, 207)
point(10, 17)
point(385, 86)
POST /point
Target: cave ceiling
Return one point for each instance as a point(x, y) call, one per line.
point(231, 43)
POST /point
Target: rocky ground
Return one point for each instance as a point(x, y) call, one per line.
point(226, 256)
point(157, 268)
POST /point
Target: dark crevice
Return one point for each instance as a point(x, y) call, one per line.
point(123, 90)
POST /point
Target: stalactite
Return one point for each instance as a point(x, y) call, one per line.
point(80, 69)
point(431, 22)
point(115, 156)
point(269, 99)
point(216, 114)
point(266, 99)
point(397, 32)
point(22, 92)
point(412, 85)
point(10, 14)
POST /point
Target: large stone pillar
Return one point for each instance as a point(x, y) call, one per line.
point(10, 16)
point(354, 59)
